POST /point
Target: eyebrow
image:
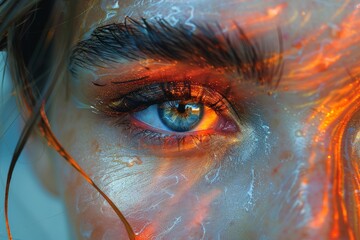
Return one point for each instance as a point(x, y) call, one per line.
point(209, 45)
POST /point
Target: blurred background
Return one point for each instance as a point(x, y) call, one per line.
point(34, 213)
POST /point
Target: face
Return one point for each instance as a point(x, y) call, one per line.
point(210, 119)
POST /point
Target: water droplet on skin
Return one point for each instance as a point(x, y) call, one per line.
point(110, 7)
point(110, 234)
point(300, 133)
point(129, 161)
point(110, 4)
point(130, 164)
point(86, 230)
point(137, 160)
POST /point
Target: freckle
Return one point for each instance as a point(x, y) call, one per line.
point(61, 118)
point(285, 36)
point(322, 67)
point(70, 135)
point(95, 146)
point(276, 169)
point(78, 115)
point(275, 123)
point(298, 44)
point(286, 155)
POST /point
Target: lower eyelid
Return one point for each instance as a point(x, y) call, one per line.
point(146, 137)
point(161, 144)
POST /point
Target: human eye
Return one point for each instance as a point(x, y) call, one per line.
point(146, 91)
point(181, 114)
point(173, 124)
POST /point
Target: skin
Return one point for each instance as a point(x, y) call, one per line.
point(288, 174)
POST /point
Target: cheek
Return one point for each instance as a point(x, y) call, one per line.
point(176, 196)
point(206, 195)
point(170, 197)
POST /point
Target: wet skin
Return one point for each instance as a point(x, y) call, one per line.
point(283, 168)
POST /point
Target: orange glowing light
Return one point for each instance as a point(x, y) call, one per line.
point(317, 70)
point(274, 11)
point(203, 208)
point(209, 120)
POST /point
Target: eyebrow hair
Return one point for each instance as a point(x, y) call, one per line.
point(209, 45)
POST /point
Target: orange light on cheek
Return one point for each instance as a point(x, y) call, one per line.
point(202, 209)
point(325, 62)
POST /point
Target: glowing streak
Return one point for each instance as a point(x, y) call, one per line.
point(341, 9)
point(335, 206)
point(291, 20)
point(306, 19)
point(202, 210)
point(183, 188)
point(274, 11)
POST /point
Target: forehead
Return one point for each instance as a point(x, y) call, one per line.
point(246, 12)
point(316, 34)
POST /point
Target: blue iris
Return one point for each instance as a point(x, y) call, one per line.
point(180, 116)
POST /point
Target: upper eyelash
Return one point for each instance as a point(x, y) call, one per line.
point(167, 91)
point(136, 40)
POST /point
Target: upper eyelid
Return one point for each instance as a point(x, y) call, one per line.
point(136, 40)
point(198, 93)
point(168, 91)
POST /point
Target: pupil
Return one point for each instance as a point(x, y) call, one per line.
point(181, 108)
